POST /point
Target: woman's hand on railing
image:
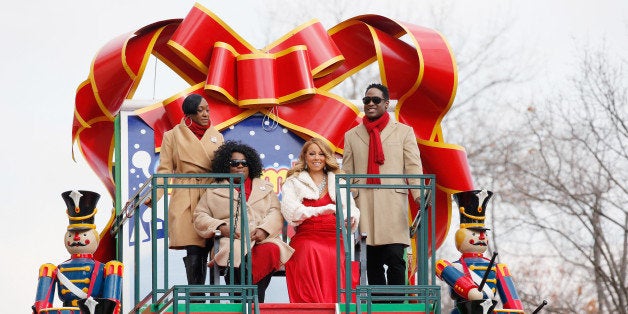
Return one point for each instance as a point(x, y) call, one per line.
point(148, 202)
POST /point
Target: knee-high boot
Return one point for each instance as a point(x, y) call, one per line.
point(196, 271)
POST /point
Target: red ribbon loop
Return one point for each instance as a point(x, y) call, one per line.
point(259, 79)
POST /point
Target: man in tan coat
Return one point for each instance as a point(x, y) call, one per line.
point(382, 146)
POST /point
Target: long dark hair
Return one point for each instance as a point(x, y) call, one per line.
point(222, 157)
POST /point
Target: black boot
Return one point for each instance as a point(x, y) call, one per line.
point(261, 287)
point(196, 271)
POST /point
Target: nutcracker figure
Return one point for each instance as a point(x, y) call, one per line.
point(474, 279)
point(84, 285)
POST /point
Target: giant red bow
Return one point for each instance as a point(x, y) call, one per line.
point(289, 80)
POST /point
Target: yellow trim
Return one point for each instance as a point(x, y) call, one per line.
point(225, 26)
point(264, 55)
point(192, 59)
point(290, 34)
point(308, 131)
point(174, 68)
point(56, 309)
point(454, 88)
point(76, 113)
point(169, 100)
point(331, 84)
point(188, 56)
point(48, 268)
point(297, 94)
point(350, 72)
point(378, 54)
point(109, 223)
point(259, 102)
point(471, 226)
point(223, 92)
point(419, 78)
point(470, 216)
point(82, 217)
point(84, 280)
point(227, 46)
point(145, 59)
point(125, 65)
point(234, 120)
point(66, 291)
point(318, 71)
point(78, 268)
point(92, 80)
point(81, 226)
point(111, 146)
point(116, 265)
point(440, 144)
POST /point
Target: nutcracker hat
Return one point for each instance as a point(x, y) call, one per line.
point(472, 205)
point(81, 208)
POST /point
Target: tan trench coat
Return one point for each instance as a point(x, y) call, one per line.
point(264, 212)
point(384, 212)
point(182, 152)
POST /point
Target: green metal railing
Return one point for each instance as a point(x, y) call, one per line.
point(162, 293)
point(427, 291)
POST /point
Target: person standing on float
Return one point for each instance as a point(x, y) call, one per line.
point(189, 149)
point(380, 145)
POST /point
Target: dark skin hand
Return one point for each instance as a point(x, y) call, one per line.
point(257, 235)
point(224, 231)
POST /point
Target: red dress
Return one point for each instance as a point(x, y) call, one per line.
point(311, 271)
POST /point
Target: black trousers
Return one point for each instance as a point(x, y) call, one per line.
point(391, 255)
point(262, 285)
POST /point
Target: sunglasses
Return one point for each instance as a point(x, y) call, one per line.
point(238, 162)
point(376, 100)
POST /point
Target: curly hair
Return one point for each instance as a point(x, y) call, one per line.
point(331, 164)
point(222, 157)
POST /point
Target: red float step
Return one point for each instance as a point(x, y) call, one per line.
point(301, 308)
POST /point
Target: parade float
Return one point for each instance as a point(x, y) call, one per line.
point(272, 98)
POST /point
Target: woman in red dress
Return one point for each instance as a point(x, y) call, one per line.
point(309, 204)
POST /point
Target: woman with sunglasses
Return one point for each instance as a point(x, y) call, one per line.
point(309, 203)
point(188, 148)
point(265, 221)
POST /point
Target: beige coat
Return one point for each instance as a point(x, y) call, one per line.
point(263, 210)
point(384, 212)
point(182, 152)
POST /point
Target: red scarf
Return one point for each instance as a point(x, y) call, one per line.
point(197, 129)
point(248, 186)
point(376, 151)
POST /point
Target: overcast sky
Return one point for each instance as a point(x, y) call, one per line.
point(47, 49)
